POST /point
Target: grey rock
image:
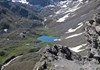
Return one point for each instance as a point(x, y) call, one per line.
point(97, 29)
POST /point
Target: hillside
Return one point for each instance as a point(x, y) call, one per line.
point(20, 25)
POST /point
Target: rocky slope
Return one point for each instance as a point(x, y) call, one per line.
point(59, 57)
point(67, 20)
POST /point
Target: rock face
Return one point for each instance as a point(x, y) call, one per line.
point(93, 37)
point(56, 53)
point(59, 51)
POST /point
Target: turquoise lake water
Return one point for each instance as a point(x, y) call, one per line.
point(45, 38)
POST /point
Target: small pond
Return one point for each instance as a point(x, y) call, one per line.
point(45, 38)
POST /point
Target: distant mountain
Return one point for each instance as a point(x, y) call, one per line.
point(41, 3)
point(19, 9)
point(17, 15)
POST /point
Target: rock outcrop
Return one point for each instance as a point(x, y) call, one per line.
point(93, 37)
point(56, 53)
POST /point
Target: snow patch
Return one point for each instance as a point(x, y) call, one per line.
point(74, 35)
point(71, 36)
point(50, 15)
point(9, 62)
point(51, 5)
point(58, 12)
point(5, 30)
point(64, 6)
point(45, 19)
point(21, 1)
point(80, 0)
point(77, 48)
point(73, 30)
point(62, 19)
point(62, 2)
point(57, 39)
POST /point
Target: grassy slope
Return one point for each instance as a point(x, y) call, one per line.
point(11, 43)
point(22, 45)
point(30, 58)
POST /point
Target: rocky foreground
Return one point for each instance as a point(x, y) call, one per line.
point(59, 57)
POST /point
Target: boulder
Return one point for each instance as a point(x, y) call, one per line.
point(67, 52)
point(97, 29)
point(90, 55)
point(77, 57)
point(97, 18)
point(91, 22)
point(99, 38)
point(42, 66)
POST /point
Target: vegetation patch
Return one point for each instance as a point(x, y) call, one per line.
point(16, 45)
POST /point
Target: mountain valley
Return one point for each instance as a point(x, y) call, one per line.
point(73, 22)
